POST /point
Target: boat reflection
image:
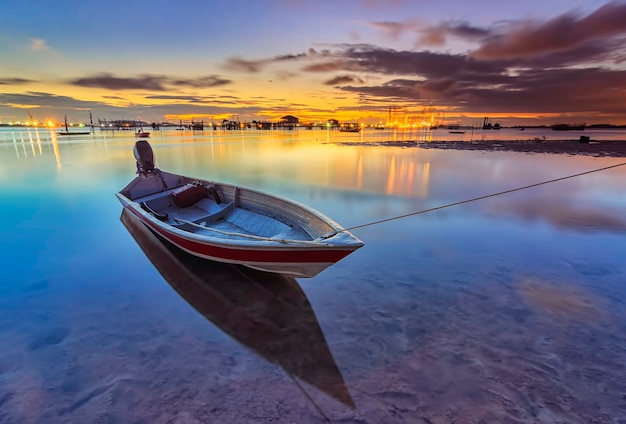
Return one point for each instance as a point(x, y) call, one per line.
point(265, 312)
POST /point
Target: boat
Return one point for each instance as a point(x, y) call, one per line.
point(68, 132)
point(487, 125)
point(267, 313)
point(350, 127)
point(142, 134)
point(227, 223)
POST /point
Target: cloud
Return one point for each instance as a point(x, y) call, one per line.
point(49, 104)
point(37, 44)
point(242, 65)
point(289, 57)
point(110, 82)
point(567, 31)
point(197, 99)
point(328, 66)
point(147, 82)
point(203, 82)
point(179, 98)
point(14, 81)
point(438, 35)
point(394, 30)
point(38, 99)
point(255, 66)
point(538, 85)
point(343, 79)
point(423, 63)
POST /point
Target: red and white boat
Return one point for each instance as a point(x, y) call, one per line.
point(232, 224)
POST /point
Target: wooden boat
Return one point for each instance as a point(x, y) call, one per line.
point(226, 223)
point(68, 132)
point(267, 313)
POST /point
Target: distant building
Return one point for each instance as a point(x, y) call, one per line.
point(288, 119)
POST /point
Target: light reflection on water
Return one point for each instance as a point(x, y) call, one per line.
point(505, 309)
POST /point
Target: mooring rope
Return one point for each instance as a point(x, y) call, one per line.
point(481, 197)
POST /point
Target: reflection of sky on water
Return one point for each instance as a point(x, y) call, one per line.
point(515, 295)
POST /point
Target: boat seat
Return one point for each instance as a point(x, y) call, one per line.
point(189, 194)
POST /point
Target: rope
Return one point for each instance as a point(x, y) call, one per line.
point(482, 197)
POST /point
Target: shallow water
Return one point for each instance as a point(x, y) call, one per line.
point(509, 309)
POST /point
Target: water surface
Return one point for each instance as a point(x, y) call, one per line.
point(510, 309)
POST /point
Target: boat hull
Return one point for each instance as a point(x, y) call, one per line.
point(293, 257)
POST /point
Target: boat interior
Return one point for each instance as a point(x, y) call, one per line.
point(210, 210)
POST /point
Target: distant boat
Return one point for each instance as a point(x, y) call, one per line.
point(68, 132)
point(487, 125)
point(456, 132)
point(355, 128)
point(142, 134)
point(267, 313)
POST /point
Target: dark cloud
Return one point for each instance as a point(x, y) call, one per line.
point(180, 98)
point(147, 82)
point(288, 57)
point(38, 99)
point(424, 63)
point(438, 35)
point(242, 65)
point(12, 81)
point(43, 104)
point(330, 66)
point(343, 79)
point(226, 100)
point(529, 38)
point(535, 85)
point(254, 66)
point(110, 82)
point(202, 82)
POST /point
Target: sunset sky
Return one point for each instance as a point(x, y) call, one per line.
point(523, 62)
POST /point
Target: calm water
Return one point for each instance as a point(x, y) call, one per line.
point(507, 310)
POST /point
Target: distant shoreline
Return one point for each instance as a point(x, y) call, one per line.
point(597, 148)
